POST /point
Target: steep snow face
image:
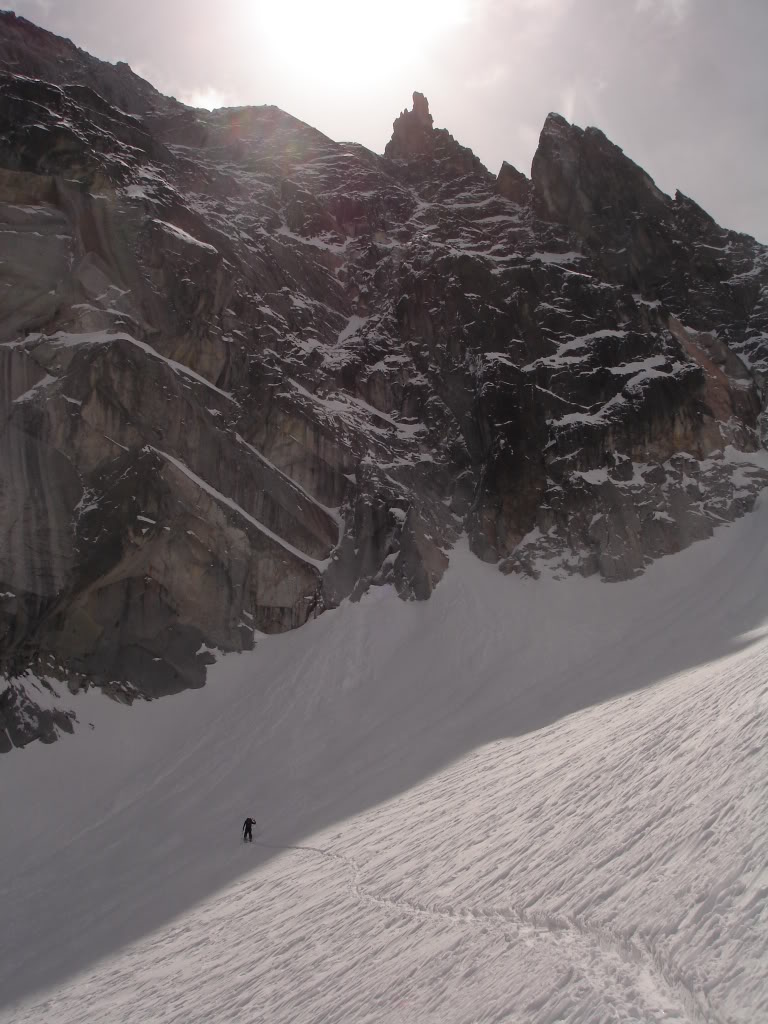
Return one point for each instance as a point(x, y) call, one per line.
point(528, 801)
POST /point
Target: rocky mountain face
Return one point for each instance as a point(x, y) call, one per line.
point(248, 372)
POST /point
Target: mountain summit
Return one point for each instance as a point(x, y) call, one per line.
point(412, 132)
point(249, 372)
point(415, 140)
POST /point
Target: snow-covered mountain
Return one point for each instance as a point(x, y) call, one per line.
point(249, 375)
point(249, 372)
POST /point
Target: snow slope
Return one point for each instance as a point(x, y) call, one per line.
point(519, 801)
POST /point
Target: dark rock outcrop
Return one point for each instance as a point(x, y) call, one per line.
point(422, 148)
point(412, 132)
point(247, 372)
point(513, 184)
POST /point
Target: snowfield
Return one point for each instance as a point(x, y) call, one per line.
point(523, 802)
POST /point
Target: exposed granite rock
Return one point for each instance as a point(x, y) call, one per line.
point(585, 183)
point(247, 372)
point(420, 146)
point(23, 720)
point(513, 184)
point(412, 131)
point(420, 562)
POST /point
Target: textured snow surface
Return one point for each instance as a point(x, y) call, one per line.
point(517, 802)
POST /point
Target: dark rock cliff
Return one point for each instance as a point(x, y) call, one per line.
point(248, 372)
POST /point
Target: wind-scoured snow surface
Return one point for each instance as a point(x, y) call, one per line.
point(518, 802)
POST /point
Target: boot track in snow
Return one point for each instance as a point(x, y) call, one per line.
point(598, 943)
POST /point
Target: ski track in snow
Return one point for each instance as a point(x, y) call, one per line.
point(517, 803)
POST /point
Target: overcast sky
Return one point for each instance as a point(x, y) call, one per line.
point(680, 85)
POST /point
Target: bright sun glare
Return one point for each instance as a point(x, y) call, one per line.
point(353, 42)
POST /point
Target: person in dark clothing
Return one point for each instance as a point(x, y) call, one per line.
point(247, 826)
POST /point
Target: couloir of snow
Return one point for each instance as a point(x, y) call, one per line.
point(517, 802)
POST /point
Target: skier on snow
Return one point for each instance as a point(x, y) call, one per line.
point(247, 826)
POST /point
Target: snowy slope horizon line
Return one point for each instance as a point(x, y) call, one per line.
point(548, 824)
point(249, 372)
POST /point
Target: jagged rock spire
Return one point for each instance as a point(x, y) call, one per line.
point(411, 131)
point(416, 141)
point(585, 181)
point(421, 109)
